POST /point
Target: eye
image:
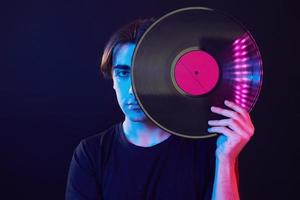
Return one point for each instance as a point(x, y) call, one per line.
point(123, 73)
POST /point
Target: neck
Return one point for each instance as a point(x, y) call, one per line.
point(144, 133)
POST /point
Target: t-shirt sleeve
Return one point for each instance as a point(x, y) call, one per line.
point(82, 178)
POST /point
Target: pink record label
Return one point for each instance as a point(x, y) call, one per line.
point(196, 72)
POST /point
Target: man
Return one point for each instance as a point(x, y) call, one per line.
point(135, 159)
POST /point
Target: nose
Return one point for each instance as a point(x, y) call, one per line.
point(130, 89)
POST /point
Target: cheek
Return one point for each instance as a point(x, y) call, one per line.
point(121, 88)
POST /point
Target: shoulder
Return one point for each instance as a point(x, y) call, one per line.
point(99, 140)
point(90, 148)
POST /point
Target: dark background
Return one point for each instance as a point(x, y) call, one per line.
point(52, 94)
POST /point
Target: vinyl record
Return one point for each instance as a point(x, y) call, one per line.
point(192, 59)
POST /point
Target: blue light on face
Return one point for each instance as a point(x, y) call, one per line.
point(122, 56)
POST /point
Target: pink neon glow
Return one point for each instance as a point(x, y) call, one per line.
point(241, 66)
point(242, 72)
point(236, 41)
point(238, 47)
point(242, 76)
point(241, 59)
point(242, 79)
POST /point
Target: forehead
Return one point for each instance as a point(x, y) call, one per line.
point(122, 54)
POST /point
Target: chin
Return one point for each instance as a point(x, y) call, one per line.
point(137, 116)
point(138, 119)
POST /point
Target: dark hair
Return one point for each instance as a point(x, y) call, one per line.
point(130, 33)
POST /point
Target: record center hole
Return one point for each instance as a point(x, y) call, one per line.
point(196, 72)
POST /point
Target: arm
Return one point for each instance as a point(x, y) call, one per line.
point(225, 181)
point(235, 132)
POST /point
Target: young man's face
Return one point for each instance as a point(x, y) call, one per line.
point(121, 63)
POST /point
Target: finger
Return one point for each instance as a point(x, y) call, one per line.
point(227, 113)
point(247, 125)
point(222, 130)
point(232, 124)
point(237, 108)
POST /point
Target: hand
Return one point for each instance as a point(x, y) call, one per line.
point(236, 131)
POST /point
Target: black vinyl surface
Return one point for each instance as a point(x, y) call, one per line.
point(156, 54)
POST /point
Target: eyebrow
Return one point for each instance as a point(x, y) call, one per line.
point(121, 67)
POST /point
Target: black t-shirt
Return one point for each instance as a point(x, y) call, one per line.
point(107, 166)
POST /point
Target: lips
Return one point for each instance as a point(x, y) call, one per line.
point(133, 106)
